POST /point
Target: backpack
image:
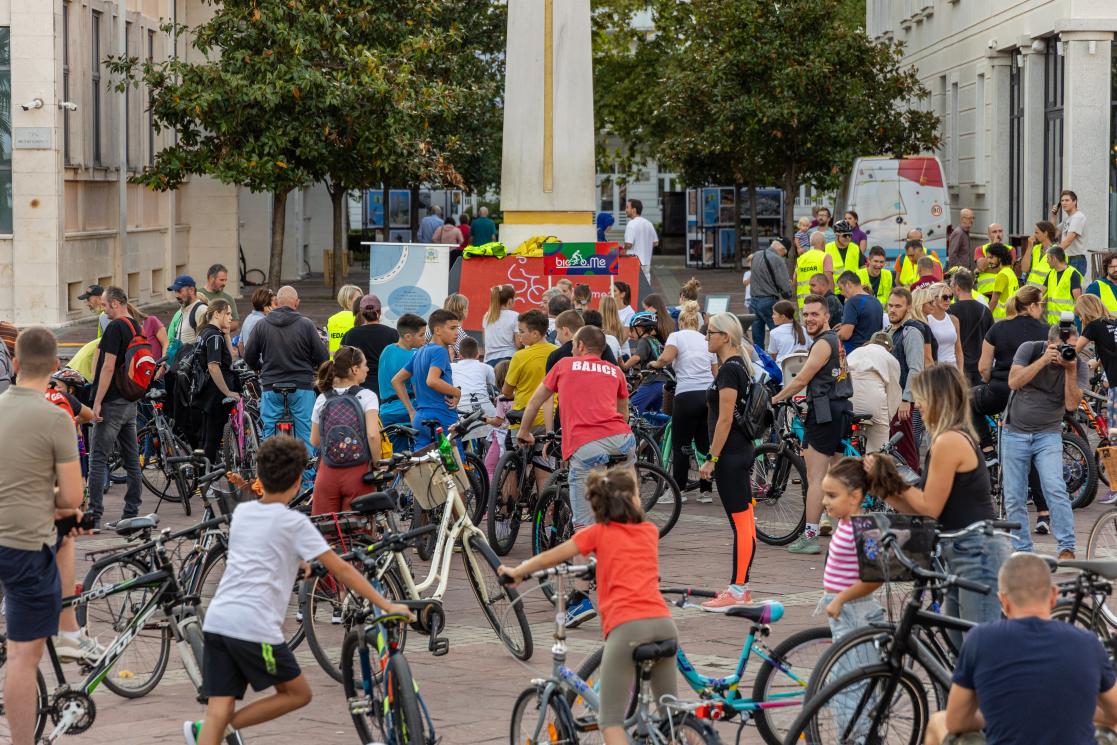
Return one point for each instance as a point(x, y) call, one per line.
point(190, 375)
point(136, 369)
point(344, 435)
point(753, 413)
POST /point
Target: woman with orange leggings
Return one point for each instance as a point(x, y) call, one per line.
point(731, 453)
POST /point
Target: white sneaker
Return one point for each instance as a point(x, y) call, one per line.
point(668, 499)
point(705, 497)
point(81, 649)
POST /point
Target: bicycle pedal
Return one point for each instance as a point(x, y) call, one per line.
point(439, 647)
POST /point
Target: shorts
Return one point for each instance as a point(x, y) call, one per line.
point(229, 665)
point(826, 439)
point(32, 593)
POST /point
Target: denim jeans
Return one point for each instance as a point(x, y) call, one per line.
point(977, 559)
point(855, 614)
point(1079, 263)
point(1018, 451)
point(762, 309)
point(648, 397)
point(117, 425)
point(591, 455)
point(300, 403)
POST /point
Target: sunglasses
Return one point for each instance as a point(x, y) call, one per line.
point(947, 297)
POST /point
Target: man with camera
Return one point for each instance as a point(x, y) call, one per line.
point(1046, 380)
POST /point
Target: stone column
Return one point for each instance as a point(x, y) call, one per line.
point(1086, 135)
point(1032, 181)
point(547, 171)
point(1000, 122)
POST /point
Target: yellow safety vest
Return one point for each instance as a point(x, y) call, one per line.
point(999, 312)
point(1108, 299)
point(884, 289)
point(909, 272)
point(806, 266)
point(850, 263)
point(1059, 297)
point(985, 281)
point(1037, 273)
point(337, 327)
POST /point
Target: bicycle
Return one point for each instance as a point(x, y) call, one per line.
point(71, 706)
point(241, 440)
point(543, 711)
point(881, 699)
point(512, 492)
point(168, 479)
point(780, 685)
point(285, 424)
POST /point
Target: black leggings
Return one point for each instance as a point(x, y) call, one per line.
point(214, 418)
point(732, 475)
point(688, 424)
point(988, 399)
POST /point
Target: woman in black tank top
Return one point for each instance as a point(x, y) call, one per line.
point(956, 490)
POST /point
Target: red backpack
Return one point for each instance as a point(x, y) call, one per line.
point(135, 371)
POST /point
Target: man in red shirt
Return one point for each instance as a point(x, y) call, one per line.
point(594, 426)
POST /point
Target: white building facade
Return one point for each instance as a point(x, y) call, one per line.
point(1026, 91)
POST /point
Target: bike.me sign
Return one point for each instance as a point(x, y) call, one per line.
point(581, 259)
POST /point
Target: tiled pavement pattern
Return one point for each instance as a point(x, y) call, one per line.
point(471, 690)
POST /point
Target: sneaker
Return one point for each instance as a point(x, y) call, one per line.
point(669, 499)
point(1043, 526)
point(1066, 555)
point(805, 545)
point(579, 611)
point(824, 524)
point(705, 497)
point(190, 732)
point(1109, 498)
point(726, 600)
point(335, 619)
point(82, 649)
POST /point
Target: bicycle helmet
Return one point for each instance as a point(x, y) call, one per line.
point(842, 227)
point(643, 320)
point(69, 376)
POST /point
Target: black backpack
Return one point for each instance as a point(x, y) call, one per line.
point(753, 413)
point(344, 435)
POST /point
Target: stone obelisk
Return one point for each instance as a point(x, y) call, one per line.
point(547, 170)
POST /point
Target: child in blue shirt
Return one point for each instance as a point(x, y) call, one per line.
point(430, 374)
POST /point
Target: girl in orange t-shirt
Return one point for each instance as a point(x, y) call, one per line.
point(632, 610)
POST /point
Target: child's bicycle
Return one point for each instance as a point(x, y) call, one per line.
point(544, 711)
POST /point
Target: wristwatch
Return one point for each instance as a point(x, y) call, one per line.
point(714, 459)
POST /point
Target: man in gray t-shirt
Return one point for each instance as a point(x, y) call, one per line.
point(1072, 229)
point(1044, 386)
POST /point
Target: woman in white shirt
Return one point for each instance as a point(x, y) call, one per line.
point(929, 304)
point(686, 351)
point(875, 373)
point(622, 294)
point(612, 325)
point(335, 488)
point(788, 336)
point(500, 325)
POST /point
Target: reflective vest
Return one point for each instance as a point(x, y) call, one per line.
point(884, 289)
point(1059, 297)
point(984, 282)
point(1037, 273)
point(1013, 285)
point(909, 272)
point(806, 266)
point(1108, 298)
point(850, 263)
point(338, 324)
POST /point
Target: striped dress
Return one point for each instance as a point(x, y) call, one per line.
point(841, 559)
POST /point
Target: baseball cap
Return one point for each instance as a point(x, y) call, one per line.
point(182, 280)
point(370, 302)
point(92, 291)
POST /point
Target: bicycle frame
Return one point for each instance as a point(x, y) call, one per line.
point(725, 690)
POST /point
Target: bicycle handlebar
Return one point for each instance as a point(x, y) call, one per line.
point(687, 592)
point(585, 571)
point(986, 527)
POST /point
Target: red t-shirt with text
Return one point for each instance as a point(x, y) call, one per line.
point(627, 571)
point(588, 388)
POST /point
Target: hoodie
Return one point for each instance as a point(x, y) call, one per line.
point(285, 349)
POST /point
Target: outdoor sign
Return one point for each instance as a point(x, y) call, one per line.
point(408, 277)
point(581, 259)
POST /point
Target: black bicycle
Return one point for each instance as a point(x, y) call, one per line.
point(513, 493)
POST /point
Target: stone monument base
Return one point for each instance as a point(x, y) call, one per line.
point(568, 227)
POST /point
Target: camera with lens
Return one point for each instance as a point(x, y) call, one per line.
point(1066, 329)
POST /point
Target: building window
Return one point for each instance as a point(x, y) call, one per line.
point(150, 112)
point(1016, 145)
point(66, 82)
point(979, 131)
point(953, 136)
point(95, 100)
point(5, 130)
point(1053, 69)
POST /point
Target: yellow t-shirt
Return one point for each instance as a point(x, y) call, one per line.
point(83, 361)
point(1006, 285)
point(525, 372)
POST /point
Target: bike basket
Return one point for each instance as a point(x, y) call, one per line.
point(426, 480)
point(915, 536)
point(228, 499)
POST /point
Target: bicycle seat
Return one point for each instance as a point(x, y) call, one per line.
point(655, 650)
point(391, 430)
point(515, 416)
point(130, 525)
point(861, 418)
point(284, 388)
point(431, 424)
point(155, 394)
point(378, 501)
point(769, 612)
point(616, 460)
point(228, 400)
point(1106, 569)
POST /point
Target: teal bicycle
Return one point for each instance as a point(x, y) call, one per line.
point(781, 683)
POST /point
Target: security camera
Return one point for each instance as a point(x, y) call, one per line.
point(992, 44)
point(68, 105)
point(35, 103)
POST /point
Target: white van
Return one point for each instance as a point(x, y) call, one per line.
point(894, 195)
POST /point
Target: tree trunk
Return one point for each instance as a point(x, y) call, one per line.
point(415, 214)
point(338, 196)
point(754, 221)
point(278, 223)
point(789, 189)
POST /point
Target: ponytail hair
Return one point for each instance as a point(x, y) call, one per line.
point(217, 306)
point(611, 494)
point(345, 360)
point(690, 317)
point(786, 308)
point(1024, 297)
point(690, 289)
point(881, 480)
point(499, 296)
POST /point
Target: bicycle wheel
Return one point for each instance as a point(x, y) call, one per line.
point(551, 525)
point(495, 599)
point(142, 663)
point(504, 504)
point(684, 729)
point(420, 518)
point(405, 723)
point(554, 728)
point(41, 703)
point(647, 449)
point(1102, 544)
point(1064, 611)
point(212, 572)
point(478, 475)
point(293, 631)
point(195, 648)
point(328, 609)
point(157, 476)
point(875, 704)
point(779, 494)
point(784, 678)
point(362, 685)
point(1079, 471)
point(659, 496)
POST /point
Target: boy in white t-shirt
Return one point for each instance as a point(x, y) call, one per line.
point(243, 625)
point(477, 382)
